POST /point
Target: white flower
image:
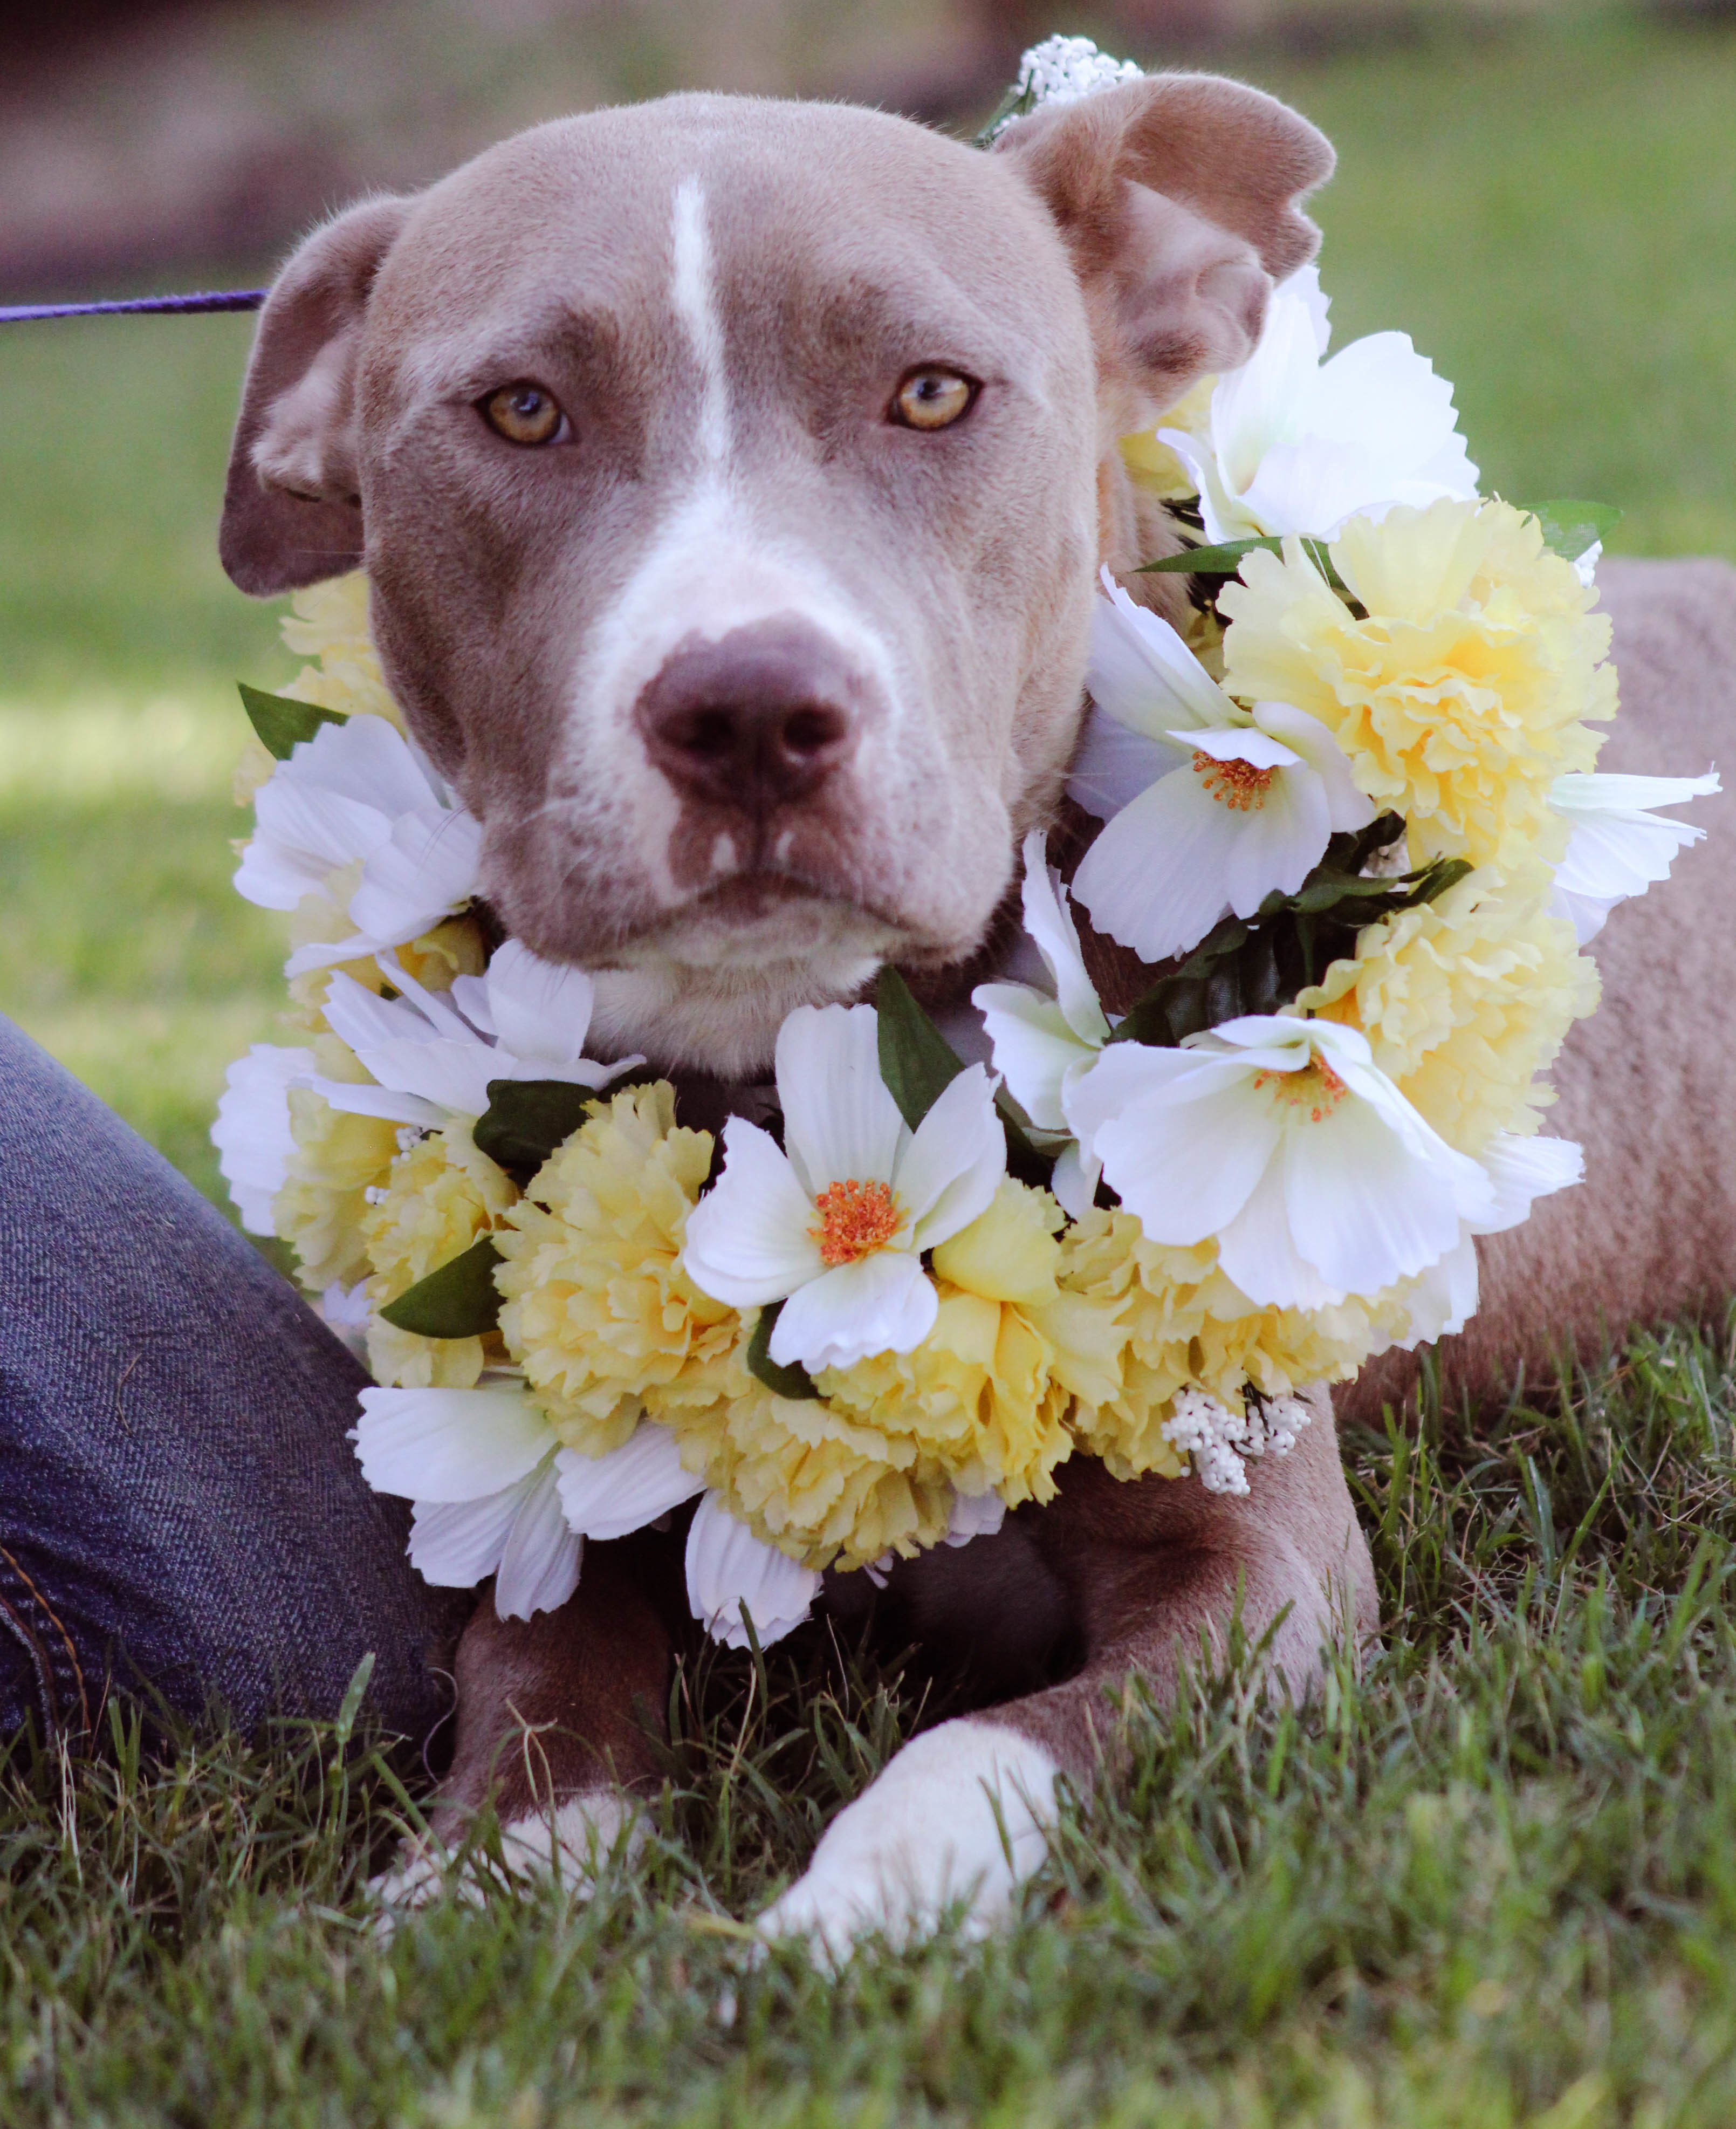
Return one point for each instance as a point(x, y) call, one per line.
point(252, 1134)
point(481, 1467)
point(974, 1516)
point(1297, 445)
point(1618, 847)
point(432, 1057)
point(347, 1314)
point(1043, 1044)
point(731, 1573)
point(1520, 1170)
point(1281, 1138)
point(357, 791)
point(1242, 804)
point(1217, 1441)
point(606, 1497)
point(834, 1224)
point(1065, 69)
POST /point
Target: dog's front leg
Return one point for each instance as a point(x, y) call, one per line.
point(1156, 1570)
point(557, 1718)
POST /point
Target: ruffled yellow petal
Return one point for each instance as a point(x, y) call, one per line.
point(598, 1310)
point(441, 1195)
point(1464, 691)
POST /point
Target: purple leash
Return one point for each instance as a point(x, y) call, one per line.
point(229, 299)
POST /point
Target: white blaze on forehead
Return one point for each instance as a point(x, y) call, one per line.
point(694, 295)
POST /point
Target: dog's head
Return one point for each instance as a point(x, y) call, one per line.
point(732, 477)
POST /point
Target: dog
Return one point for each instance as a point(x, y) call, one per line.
point(734, 478)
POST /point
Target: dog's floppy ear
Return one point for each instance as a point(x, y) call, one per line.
point(1179, 198)
point(291, 515)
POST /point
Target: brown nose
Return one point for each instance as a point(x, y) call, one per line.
point(757, 719)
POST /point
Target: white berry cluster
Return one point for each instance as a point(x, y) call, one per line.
point(1218, 1441)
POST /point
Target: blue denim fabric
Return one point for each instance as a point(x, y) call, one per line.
point(179, 1508)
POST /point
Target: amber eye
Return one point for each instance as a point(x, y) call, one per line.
point(523, 414)
point(933, 398)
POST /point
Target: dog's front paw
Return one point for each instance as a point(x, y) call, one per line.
point(572, 1844)
point(957, 1823)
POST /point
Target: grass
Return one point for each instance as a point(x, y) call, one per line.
point(1491, 1883)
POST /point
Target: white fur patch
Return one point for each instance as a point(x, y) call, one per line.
point(694, 296)
point(960, 1816)
point(574, 1843)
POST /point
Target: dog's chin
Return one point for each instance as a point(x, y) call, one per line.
point(707, 989)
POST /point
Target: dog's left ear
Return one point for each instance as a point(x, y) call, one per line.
point(1179, 198)
point(291, 515)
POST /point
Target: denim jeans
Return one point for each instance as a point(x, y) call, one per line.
point(179, 1509)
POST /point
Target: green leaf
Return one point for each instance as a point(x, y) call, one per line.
point(916, 1061)
point(791, 1381)
point(1570, 527)
point(1016, 103)
point(526, 1119)
point(1226, 560)
point(281, 724)
point(459, 1300)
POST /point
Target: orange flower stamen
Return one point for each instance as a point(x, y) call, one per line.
point(1237, 784)
point(1316, 1087)
point(855, 1220)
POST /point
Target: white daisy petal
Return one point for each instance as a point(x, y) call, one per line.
point(749, 1240)
point(1183, 1140)
point(1034, 1048)
point(455, 1545)
point(1112, 765)
point(1348, 807)
point(1154, 877)
point(539, 1566)
point(537, 1008)
point(607, 1497)
point(1246, 743)
point(882, 1304)
point(1074, 1182)
point(1049, 921)
point(1364, 1212)
point(357, 1098)
point(1257, 1251)
point(951, 1169)
point(1524, 1170)
point(430, 867)
point(438, 1444)
point(729, 1569)
point(252, 1134)
point(840, 1124)
point(1145, 676)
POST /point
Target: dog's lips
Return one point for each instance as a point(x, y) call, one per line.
point(754, 918)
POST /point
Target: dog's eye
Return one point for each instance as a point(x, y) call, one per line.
point(931, 398)
point(523, 414)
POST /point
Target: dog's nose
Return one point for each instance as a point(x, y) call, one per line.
point(756, 720)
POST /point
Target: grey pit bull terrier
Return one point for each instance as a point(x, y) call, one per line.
point(732, 478)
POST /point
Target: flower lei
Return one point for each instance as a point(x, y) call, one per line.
point(1350, 820)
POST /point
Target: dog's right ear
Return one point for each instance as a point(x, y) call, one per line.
point(1179, 197)
point(292, 511)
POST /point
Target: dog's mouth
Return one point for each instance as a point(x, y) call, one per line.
point(755, 920)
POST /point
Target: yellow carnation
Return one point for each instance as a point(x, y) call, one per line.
point(441, 1193)
point(1463, 693)
point(338, 1157)
point(329, 624)
point(1466, 1002)
point(809, 1477)
point(1185, 1325)
point(870, 1467)
point(598, 1310)
point(987, 1394)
